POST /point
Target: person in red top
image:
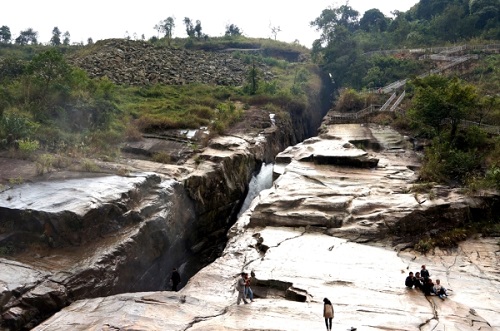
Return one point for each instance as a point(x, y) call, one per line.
point(248, 290)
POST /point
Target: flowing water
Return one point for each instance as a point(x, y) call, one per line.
point(259, 182)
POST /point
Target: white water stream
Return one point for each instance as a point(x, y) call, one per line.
point(261, 181)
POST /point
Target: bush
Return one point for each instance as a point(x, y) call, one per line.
point(27, 147)
point(349, 101)
point(44, 163)
point(162, 157)
point(16, 125)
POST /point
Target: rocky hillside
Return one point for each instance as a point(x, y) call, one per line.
point(131, 62)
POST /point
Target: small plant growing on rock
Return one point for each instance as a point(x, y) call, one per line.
point(44, 163)
point(27, 147)
point(16, 180)
point(89, 165)
point(424, 245)
point(161, 157)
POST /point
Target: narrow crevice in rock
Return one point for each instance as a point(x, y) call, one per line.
point(205, 318)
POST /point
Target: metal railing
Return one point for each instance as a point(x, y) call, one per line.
point(398, 101)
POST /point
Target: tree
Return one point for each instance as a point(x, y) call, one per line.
point(373, 20)
point(5, 34)
point(28, 36)
point(197, 29)
point(333, 18)
point(189, 26)
point(274, 30)
point(66, 39)
point(90, 41)
point(253, 79)
point(233, 30)
point(166, 27)
point(56, 37)
point(440, 102)
point(48, 78)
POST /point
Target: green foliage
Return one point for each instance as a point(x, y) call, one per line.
point(440, 102)
point(162, 157)
point(44, 163)
point(253, 79)
point(443, 239)
point(349, 101)
point(28, 146)
point(89, 165)
point(444, 163)
point(16, 125)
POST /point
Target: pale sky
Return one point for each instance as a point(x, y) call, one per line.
point(103, 19)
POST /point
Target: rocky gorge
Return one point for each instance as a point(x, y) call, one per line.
point(338, 222)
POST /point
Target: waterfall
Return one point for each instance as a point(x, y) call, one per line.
point(261, 181)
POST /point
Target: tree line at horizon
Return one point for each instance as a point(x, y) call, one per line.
point(165, 27)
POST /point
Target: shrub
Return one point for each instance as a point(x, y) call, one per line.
point(27, 147)
point(161, 157)
point(44, 163)
point(90, 166)
point(349, 101)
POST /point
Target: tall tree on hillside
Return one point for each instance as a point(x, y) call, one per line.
point(66, 39)
point(56, 37)
point(189, 26)
point(166, 27)
point(275, 30)
point(5, 34)
point(337, 47)
point(197, 29)
point(332, 18)
point(232, 30)
point(373, 20)
point(28, 36)
point(439, 102)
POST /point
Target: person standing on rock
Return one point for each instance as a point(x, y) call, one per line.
point(240, 287)
point(248, 290)
point(328, 313)
point(175, 279)
point(424, 273)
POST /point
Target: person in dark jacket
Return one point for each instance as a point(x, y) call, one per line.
point(424, 273)
point(418, 283)
point(428, 287)
point(175, 279)
point(410, 280)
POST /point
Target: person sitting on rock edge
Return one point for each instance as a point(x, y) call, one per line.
point(439, 290)
point(410, 280)
point(428, 287)
point(418, 281)
point(240, 287)
point(328, 313)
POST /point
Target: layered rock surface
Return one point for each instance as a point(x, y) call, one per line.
point(303, 240)
point(84, 235)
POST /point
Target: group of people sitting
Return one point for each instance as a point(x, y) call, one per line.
point(423, 282)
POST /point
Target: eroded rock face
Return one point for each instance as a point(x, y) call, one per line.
point(104, 235)
point(90, 237)
point(302, 240)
